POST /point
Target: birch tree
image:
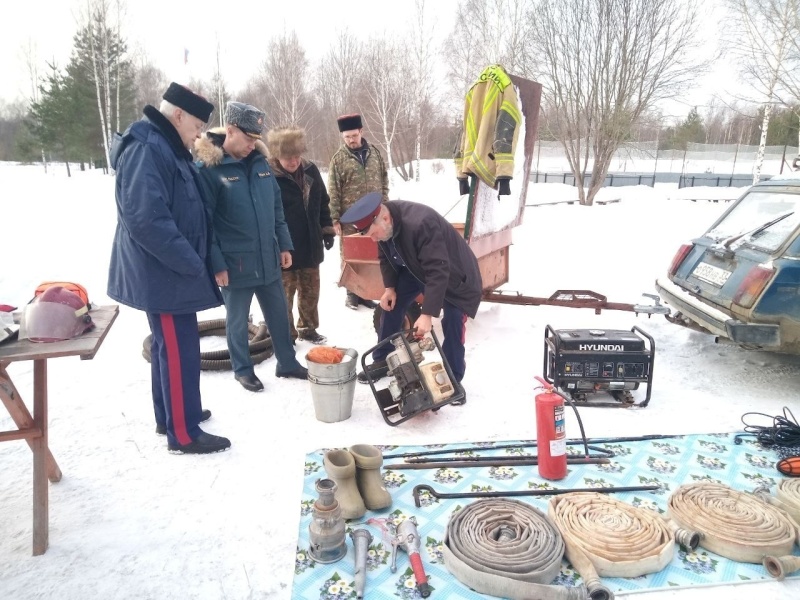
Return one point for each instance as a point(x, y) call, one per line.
point(388, 95)
point(423, 66)
point(339, 74)
point(283, 79)
point(488, 32)
point(603, 63)
point(763, 38)
point(219, 84)
point(98, 45)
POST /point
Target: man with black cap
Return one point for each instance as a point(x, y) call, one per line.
point(357, 168)
point(251, 241)
point(158, 260)
point(420, 252)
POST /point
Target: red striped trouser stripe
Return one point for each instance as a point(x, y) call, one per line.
point(175, 379)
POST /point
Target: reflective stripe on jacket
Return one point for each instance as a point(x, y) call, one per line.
point(491, 128)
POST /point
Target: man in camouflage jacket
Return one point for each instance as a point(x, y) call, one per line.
point(357, 168)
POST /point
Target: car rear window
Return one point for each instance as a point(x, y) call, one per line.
point(763, 219)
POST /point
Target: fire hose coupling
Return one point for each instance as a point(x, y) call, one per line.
point(407, 538)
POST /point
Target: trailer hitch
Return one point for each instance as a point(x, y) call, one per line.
point(418, 489)
point(577, 299)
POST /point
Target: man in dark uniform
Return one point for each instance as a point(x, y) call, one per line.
point(420, 252)
point(158, 260)
point(251, 244)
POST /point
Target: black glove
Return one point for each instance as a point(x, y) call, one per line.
point(463, 186)
point(327, 239)
point(503, 187)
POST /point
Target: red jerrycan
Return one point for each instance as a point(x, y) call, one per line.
point(551, 433)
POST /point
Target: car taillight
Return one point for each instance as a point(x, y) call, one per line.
point(678, 258)
point(752, 285)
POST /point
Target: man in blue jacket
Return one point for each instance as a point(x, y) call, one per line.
point(158, 260)
point(251, 241)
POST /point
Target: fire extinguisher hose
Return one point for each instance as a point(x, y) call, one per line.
point(506, 548)
point(736, 525)
point(608, 538)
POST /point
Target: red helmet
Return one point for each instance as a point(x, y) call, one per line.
point(57, 314)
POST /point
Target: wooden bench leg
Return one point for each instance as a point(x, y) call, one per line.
point(41, 503)
point(23, 419)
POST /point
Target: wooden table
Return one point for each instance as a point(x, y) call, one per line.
point(33, 429)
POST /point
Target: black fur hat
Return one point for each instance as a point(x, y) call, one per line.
point(184, 98)
point(348, 122)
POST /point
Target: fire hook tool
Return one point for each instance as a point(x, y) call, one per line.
point(570, 442)
point(489, 461)
point(602, 490)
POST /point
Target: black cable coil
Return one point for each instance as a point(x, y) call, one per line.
point(783, 435)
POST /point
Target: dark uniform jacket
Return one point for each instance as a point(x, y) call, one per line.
point(436, 254)
point(158, 259)
point(306, 211)
point(249, 230)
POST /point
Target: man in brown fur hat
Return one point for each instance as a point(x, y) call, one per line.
point(251, 242)
point(305, 208)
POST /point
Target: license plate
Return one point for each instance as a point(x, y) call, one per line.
point(711, 274)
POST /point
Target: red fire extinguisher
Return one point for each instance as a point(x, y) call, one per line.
point(551, 433)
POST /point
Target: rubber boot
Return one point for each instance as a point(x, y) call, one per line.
point(368, 476)
point(341, 467)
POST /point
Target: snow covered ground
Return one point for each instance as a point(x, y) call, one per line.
point(131, 521)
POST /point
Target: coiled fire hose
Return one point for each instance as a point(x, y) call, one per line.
point(787, 499)
point(735, 525)
point(608, 538)
point(259, 346)
point(506, 548)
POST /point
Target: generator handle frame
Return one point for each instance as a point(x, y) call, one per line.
point(652, 351)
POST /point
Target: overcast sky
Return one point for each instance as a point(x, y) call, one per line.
point(163, 29)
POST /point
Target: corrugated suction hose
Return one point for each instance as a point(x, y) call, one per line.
point(260, 345)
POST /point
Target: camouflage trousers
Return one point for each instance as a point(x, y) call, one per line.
point(304, 283)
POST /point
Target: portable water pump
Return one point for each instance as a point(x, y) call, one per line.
point(415, 384)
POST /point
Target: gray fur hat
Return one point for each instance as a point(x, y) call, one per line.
point(246, 117)
point(285, 142)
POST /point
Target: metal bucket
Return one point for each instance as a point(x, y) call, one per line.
point(333, 386)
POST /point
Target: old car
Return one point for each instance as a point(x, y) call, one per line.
point(740, 280)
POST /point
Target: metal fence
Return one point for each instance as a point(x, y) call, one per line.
point(650, 179)
point(642, 163)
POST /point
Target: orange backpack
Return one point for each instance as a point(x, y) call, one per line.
point(75, 288)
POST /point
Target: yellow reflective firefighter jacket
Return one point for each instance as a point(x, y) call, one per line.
point(491, 128)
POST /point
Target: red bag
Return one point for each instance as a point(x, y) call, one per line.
point(75, 288)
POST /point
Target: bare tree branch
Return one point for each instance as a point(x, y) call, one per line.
point(763, 41)
point(603, 64)
point(283, 79)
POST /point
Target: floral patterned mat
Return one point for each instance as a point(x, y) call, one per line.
point(669, 462)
